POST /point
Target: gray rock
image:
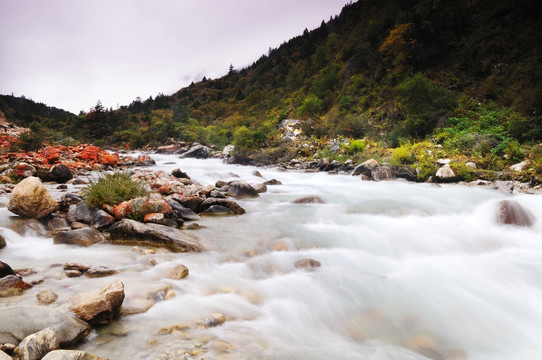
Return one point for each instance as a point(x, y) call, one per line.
point(443, 161)
point(309, 200)
point(102, 219)
point(81, 237)
point(227, 151)
point(521, 166)
point(272, 182)
point(445, 174)
point(17, 322)
point(260, 188)
point(81, 213)
point(197, 151)
point(241, 189)
point(217, 210)
point(182, 212)
point(58, 224)
point(60, 173)
point(512, 213)
point(366, 168)
point(180, 174)
point(382, 173)
point(153, 235)
point(307, 264)
point(36, 346)
point(71, 355)
point(230, 204)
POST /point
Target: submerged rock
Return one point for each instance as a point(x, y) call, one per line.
point(309, 200)
point(17, 322)
point(512, 213)
point(307, 264)
point(154, 235)
point(230, 204)
point(99, 307)
point(382, 173)
point(46, 297)
point(71, 355)
point(30, 198)
point(82, 237)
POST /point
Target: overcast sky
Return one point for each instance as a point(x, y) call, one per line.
point(72, 53)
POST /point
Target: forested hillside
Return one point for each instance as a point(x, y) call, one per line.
point(466, 74)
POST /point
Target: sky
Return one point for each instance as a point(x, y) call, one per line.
point(71, 53)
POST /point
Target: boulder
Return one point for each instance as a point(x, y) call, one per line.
point(4, 356)
point(166, 149)
point(512, 213)
point(5, 270)
point(81, 213)
point(46, 297)
point(12, 285)
point(217, 210)
point(241, 189)
point(2, 241)
point(24, 170)
point(260, 188)
point(228, 150)
point(366, 167)
point(309, 200)
point(182, 212)
point(36, 346)
point(178, 173)
point(445, 174)
point(17, 322)
point(100, 306)
point(139, 207)
point(153, 235)
point(58, 224)
point(30, 198)
point(60, 173)
point(197, 151)
point(382, 173)
point(230, 204)
point(272, 182)
point(81, 237)
point(102, 219)
point(100, 271)
point(71, 355)
point(521, 166)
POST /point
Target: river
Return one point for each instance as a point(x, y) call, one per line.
point(408, 271)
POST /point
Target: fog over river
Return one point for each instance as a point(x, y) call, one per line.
point(408, 271)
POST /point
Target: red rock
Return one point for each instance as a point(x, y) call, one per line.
point(153, 217)
point(51, 154)
point(109, 209)
point(121, 210)
point(109, 159)
point(89, 153)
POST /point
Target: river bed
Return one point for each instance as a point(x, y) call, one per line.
point(408, 271)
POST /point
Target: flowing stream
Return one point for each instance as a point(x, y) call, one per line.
point(408, 271)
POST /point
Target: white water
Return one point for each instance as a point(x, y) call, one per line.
point(409, 271)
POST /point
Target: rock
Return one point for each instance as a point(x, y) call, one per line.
point(443, 161)
point(17, 322)
point(230, 204)
point(512, 213)
point(521, 166)
point(166, 149)
point(178, 272)
point(30, 198)
point(382, 173)
point(197, 151)
point(24, 170)
point(71, 355)
point(260, 188)
point(73, 273)
point(139, 207)
point(272, 182)
point(223, 346)
point(99, 307)
point(406, 173)
point(182, 212)
point(309, 200)
point(190, 202)
point(445, 174)
point(37, 345)
point(100, 271)
point(60, 173)
point(5, 270)
point(102, 219)
point(217, 210)
point(82, 237)
point(46, 297)
point(366, 167)
point(257, 173)
point(4, 356)
point(72, 198)
point(504, 186)
point(154, 235)
point(215, 319)
point(2, 241)
point(241, 189)
point(180, 174)
point(307, 264)
point(76, 266)
point(144, 160)
point(81, 213)
point(12, 285)
point(58, 224)
point(228, 150)
point(471, 165)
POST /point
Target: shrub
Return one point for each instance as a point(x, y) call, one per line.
point(355, 146)
point(403, 155)
point(112, 189)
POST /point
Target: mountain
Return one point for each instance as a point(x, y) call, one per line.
point(386, 69)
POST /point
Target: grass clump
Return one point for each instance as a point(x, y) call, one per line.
point(112, 189)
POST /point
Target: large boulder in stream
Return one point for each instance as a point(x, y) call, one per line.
point(30, 198)
point(157, 235)
point(366, 168)
point(71, 355)
point(12, 285)
point(512, 213)
point(197, 151)
point(17, 322)
point(36, 346)
point(241, 189)
point(100, 306)
point(81, 237)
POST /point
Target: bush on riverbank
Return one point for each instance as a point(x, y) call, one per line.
point(112, 189)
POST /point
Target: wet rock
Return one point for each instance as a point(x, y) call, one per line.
point(189, 202)
point(144, 160)
point(72, 198)
point(260, 188)
point(197, 151)
point(180, 174)
point(71, 355)
point(217, 210)
point(81, 213)
point(99, 307)
point(46, 297)
point(76, 266)
point(142, 206)
point(178, 272)
point(445, 174)
point(12, 285)
point(100, 271)
point(5, 270)
point(257, 173)
point(37, 345)
point(182, 212)
point(230, 204)
point(73, 273)
point(30, 198)
point(512, 213)
point(406, 173)
point(78, 225)
point(2, 242)
point(102, 219)
point(154, 235)
point(215, 319)
point(382, 173)
point(60, 173)
point(17, 322)
point(82, 237)
point(504, 186)
point(223, 346)
point(307, 264)
point(309, 200)
point(58, 224)
point(241, 189)
point(153, 218)
point(366, 167)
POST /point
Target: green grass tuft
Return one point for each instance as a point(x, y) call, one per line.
point(112, 189)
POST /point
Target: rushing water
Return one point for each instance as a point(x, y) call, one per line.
point(408, 271)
